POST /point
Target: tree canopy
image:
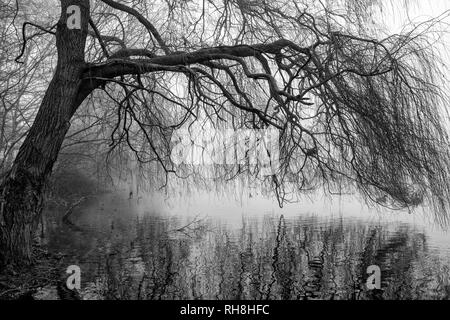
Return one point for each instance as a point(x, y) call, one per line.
point(356, 108)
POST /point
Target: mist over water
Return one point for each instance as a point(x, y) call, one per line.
point(207, 246)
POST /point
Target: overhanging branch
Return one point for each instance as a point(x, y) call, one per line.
point(119, 67)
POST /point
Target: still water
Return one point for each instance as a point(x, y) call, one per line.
point(209, 247)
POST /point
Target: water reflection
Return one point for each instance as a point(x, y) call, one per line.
point(124, 255)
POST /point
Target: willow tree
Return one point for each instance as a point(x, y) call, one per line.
point(352, 108)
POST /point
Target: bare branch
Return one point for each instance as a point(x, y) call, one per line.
point(150, 27)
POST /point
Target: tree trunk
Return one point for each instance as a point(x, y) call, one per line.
point(21, 189)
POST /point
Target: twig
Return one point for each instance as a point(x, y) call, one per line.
point(99, 37)
point(69, 211)
point(187, 227)
point(25, 38)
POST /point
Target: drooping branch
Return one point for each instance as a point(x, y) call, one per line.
point(147, 24)
point(99, 38)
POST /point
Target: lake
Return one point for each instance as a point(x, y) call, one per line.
point(211, 247)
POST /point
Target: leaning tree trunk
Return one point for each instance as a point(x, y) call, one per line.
point(22, 187)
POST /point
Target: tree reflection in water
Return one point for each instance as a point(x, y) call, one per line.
point(264, 258)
